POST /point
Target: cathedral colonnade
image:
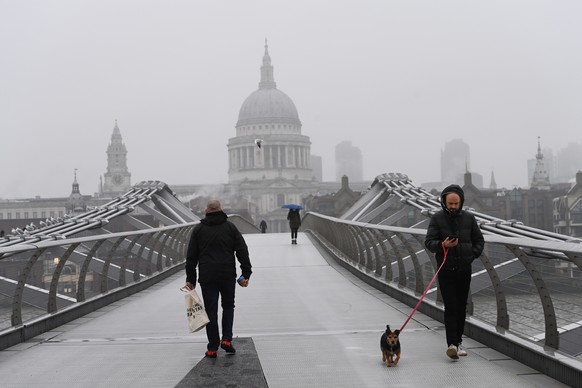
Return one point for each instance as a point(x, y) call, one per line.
point(269, 156)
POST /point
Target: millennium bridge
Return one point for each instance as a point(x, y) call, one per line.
point(84, 306)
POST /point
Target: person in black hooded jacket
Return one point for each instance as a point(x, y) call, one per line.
point(212, 248)
point(458, 231)
point(294, 224)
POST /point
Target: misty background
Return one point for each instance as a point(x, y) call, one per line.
point(398, 79)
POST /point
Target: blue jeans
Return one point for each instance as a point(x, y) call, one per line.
point(210, 294)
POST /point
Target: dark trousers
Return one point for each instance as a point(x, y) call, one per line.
point(294, 233)
point(210, 294)
point(454, 286)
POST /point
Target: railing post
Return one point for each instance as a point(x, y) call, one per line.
point(347, 243)
point(385, 255)
point(368, 249)
point(419, 281)
point(168, 249)
point(401, 269)
point(123, 266)
point(84, 269)
point(54, 287)
point(16, 317)
point(500, 300)
point(107, 263)
point(137, 273)
point(358, 253)
point(160, 259)
point(155, 243)
point(552, 338)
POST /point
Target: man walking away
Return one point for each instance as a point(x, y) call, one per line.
point(212, 248)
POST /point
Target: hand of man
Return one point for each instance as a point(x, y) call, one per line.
point(244, 283)
point(451, 242)
point(190, 286)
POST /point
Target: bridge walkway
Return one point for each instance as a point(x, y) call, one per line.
point(303, 322)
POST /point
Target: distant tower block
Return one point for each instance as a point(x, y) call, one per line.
point(455, 161)
point(348, 161)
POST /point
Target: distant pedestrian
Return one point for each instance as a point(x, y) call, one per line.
point(2, 233)
point(294, 224)
point(263, 226)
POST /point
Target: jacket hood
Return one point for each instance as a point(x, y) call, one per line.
point(214, 218)
point(452, 189)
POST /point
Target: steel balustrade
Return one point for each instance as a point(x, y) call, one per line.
point(68, 267)
point(48, 283)
point(415, 262)
point(525, 294)
point(392, 197)
point(102, 264)
point(522, 288)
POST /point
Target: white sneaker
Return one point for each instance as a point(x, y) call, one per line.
point(461, 351)
point(452, 352)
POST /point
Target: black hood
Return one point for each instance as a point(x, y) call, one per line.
point(452, 189)
point(214, 218)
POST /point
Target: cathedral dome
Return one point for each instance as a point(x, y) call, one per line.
point(269, 146)
point(268, 104)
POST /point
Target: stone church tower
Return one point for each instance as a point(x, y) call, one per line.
point(541, 178)
point(117, 178)
point(75, 203)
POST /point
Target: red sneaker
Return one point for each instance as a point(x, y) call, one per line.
point(227, 346)
point(211, 353)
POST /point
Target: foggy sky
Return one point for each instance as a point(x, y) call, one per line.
point(397, 78)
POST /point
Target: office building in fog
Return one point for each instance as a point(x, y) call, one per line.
point(567, 210)
point(455, 161)
point(348, 162)
point(568, 162)
point(317, 167)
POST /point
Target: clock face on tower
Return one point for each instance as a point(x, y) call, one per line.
point(117, 179)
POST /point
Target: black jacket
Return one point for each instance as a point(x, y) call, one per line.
point(463, 225)
point(212, 249)
point(294, 219)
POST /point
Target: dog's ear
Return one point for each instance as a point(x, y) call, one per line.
point(397, 332)
point(388, 328)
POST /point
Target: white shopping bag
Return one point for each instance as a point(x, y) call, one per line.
point(197, 317)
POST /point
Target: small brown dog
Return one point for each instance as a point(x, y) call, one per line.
point(390, 346)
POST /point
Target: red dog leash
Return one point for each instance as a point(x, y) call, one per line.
point(445, 250)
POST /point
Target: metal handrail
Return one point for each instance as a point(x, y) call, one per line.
point(45, 278)
point(527, 287)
